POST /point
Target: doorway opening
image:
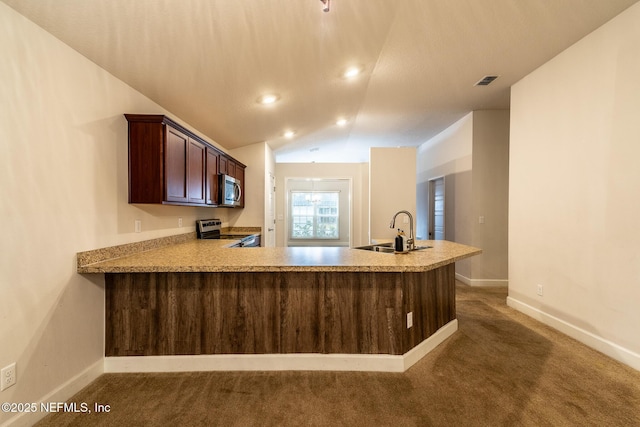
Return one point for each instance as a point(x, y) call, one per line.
point(436, 208)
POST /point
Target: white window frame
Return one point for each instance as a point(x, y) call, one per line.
point(346, 210)
point(315, 216)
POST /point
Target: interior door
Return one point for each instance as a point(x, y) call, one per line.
point(436, 209)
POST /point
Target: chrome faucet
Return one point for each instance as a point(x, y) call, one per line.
point(410, 241)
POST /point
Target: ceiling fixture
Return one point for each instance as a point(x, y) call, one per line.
point(486, 80)
point(351, 72)
point(267, 99)
point(289, 134)
point(326, 4)
point(341, 122)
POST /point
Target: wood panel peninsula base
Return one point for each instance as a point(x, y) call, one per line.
point(314, 309)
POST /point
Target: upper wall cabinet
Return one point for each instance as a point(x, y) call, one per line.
point(169, 164)
point(212, 180)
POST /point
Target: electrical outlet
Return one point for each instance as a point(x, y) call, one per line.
point(8, 376)
point(540, 290)
point(137, 225)
point(409, 319)
point(179, 222)
point(481, 219)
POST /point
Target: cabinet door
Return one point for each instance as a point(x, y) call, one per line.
point(213, 158)
point(196, 171)
point(146, 162)
point(231, 168)
point(239, 174)
point(223, 165)
point(176, 148)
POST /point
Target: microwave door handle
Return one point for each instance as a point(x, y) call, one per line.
point(238, 192)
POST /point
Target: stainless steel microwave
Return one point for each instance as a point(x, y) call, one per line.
point(230, 191)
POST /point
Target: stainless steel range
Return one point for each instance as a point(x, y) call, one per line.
point(211, 229)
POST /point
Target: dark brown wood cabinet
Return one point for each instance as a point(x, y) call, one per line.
point(224, 165)
point(231, 168)
point(185, 164)
point(239, 174)
point(196, 172)
point(212, 182)
point(169, 164)
point(175, 177)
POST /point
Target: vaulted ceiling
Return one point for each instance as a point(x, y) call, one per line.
point(208, 61)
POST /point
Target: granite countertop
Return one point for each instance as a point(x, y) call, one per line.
point(214, 256)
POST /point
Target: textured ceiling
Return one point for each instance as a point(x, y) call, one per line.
point(207, 61)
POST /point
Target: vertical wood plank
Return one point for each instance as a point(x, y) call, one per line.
point(300, 312)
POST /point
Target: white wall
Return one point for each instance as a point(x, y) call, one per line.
point(574, 199)
point(63, 189)
point(472, 156)
point(392, 174)
point(449, 155)
point(260, 162)
point(258, 158)
point(357, 172)
point(448, 152)
point(490, 198)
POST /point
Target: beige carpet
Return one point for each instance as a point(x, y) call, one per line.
point(499, 369)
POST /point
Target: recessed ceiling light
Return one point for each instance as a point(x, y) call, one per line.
point(289, 134)
point(351, 72)
point(267, 99)
point(341, 122)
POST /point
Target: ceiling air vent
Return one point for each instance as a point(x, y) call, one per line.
point(486, 80)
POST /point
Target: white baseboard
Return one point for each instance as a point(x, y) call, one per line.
point(281, 362)
point(60, 394)
point(426, 346)
point(482, 282)
point(596, 342)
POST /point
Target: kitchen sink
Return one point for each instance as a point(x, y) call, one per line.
point(386, 248)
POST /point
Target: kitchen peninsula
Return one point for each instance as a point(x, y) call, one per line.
point(199, 305)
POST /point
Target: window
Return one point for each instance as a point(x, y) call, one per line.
point(315, 215)
point(318, 212)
